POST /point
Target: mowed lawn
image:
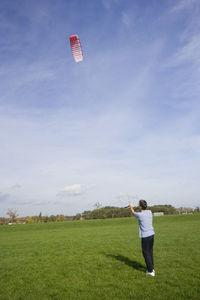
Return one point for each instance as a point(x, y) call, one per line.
point(99, 259)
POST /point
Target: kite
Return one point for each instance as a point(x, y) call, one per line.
point(76, 48)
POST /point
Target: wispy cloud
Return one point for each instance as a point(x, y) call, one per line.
point(184, 63)
point(4, 197)
point(32, 202)
point(184, 4)
point(189, 53)
point(127, 18)
point(16, 186)
point(126, 119)
point(109, 3)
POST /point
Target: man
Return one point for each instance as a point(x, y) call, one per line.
point(146, 233)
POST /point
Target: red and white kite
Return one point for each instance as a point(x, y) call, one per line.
point(76, 48)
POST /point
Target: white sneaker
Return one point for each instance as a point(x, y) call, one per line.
point(151, 273)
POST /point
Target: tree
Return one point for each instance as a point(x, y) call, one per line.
point(2, 221)
point(46, 219)
point(30, 219)
point(12, 213)
point(40, 217)
point(77, 217)
point(97, 205)
point(86, 214)
point(166, 209)
point(60, 218)
point(52, 218)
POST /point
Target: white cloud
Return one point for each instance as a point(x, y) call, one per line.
point(72, 190)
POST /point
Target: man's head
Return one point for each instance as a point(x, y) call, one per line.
point(143, 204)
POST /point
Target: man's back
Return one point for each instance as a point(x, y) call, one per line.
point(145, 223)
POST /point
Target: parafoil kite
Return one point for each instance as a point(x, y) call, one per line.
point(76, 48)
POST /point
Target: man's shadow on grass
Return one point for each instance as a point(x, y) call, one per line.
point(131, 263)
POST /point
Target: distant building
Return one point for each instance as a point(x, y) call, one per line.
point(185, 210)
point(157, 214)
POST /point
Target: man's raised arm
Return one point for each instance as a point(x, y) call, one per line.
point(131, 208)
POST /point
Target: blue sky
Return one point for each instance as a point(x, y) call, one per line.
point(121, 125)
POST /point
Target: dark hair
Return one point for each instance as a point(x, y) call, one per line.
point(143, 204)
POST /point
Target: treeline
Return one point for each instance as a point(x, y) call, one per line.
point(97, 213)
point(166, 209)
point(117, 212)
point(104, 213)
point(35, 219)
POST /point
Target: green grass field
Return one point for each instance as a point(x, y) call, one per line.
point(99, 259)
